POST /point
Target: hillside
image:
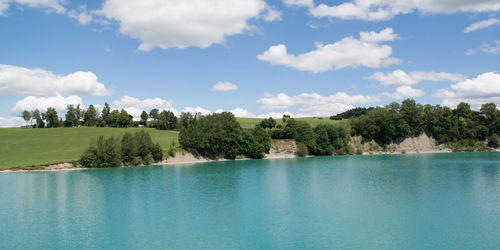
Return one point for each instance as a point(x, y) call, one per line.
point(251, 122)
point(26, 146)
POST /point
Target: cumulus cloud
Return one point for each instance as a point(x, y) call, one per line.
point(306, 3)
point(348, 52)
point(192, 110)
point(58, 102)
point(315, 104)
point(9, 122)
point(377, 10)
point(240, 112)
point(135, 106)
point(182, 24)
point(481, 25)
point(486, 48)
point(15, 80)
point(54, 5)
point(404, 92)
point(224, 86)
point(399, 77)
point(482, 89)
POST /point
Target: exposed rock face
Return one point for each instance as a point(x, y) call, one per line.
point(282, 149)
point(420, 144)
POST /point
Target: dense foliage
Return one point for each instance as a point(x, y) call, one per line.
point(324, 139)
point(446, 125)
point(221, 136)
point(352, 113)
point(134, 149)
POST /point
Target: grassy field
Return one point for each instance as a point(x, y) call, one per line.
point(26, 146)
point(251, 122)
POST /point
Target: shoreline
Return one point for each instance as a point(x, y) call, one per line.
point(188, 158)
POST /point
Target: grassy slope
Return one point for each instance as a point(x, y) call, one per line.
point(251, 122)
point(26, 146)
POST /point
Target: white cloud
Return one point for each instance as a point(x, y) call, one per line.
point(224, 86)
point(16, 80)
point(349, 52)
point(404, 92)
point(182, 24)
point(9, 122)
point(315, 104)
point(81, 15)
point(271, 15)
point(486, 48)
point(196, 110)
point(482, 89)
point(376, 10)
point(482, 24)
point(54, 5)
point(399, 77)
point(239, 112)
point(135, 106)
point(306, 3)
point(42, 103)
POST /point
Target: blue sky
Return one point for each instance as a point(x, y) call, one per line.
point(301, 57)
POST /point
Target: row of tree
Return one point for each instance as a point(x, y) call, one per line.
point(446, 125)
point(131, 149)
point(76, 116)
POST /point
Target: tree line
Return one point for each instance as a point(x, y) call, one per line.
point(76, 116)
point(460, 127)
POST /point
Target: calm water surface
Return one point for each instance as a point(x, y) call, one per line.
point(444, 201)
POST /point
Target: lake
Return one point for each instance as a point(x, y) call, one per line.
point(444, 201)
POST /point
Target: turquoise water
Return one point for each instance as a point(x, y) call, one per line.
point(444, 201)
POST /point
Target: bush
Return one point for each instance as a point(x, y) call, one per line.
point(493, 141)
point(302, 150)
point(171, 152)
point(130, 150)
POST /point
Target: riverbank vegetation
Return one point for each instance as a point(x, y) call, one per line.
point(222, 135)
point(130, 150)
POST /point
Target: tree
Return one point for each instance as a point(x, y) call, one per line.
point(26, 116)
point(144, 118)
point(166, 120)
point(123, 119)
point(112, 118)
point(90, 116)
point(51, 117)
point(154, 114)
point(39, 121)
point(71, 119)
point(79, 114)
point(268, 123)
point(105, 113)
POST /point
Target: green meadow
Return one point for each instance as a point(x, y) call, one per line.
point(251, 122)
point(20, 147)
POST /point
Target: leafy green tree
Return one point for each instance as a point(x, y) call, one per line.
point(51, 117)
point(26, 116)
point(112, 118)
point(268, 123)
point(90, 117)
point(129, 148)
point(123, 119)
point(71, 118)
point(155, 115)
point(37, 116)
point(185, 119)
point(80, 113)
point(412, 114)
point(105, 113)
point(144, 118)
point(167, 120)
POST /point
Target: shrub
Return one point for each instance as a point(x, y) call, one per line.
point(157, 152)
point(302, 150)
point(493, 141)
point(171, 152)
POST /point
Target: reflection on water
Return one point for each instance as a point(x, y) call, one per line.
point(383, 201)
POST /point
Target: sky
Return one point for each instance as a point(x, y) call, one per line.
point(254, 58)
